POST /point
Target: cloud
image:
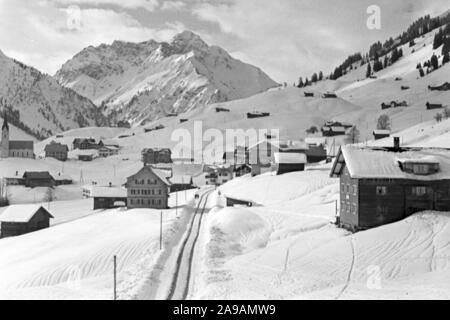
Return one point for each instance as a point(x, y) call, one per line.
point(173, 5)
point(149, 5)
point(46, 36)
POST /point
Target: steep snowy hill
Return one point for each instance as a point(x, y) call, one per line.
point(38, 105)
point(148, 80)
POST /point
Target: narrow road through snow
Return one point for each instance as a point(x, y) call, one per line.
point(179, 288)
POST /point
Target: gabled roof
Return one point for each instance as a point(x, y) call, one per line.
point(266, 142)
point(21, 213)
point(381, 132)
point(160, 174)
point(385, 163)
point(19, 145)
point(108, 192)
point(180, 179)
point(56, 147)
point(37, 175)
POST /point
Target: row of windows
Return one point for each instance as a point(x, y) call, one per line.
point(146, 192)
point(347, 207)
point(19, 154)
point(149, 182)
point(346, 188)
point(143, 202)
point(416, 191)
point(383, 190)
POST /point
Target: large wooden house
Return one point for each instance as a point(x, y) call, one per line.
point(17, 220)
point(156, 155)
point(35, 179)
point(384, 185)
point(289, 162)
point(148, 188)
point(57, 150)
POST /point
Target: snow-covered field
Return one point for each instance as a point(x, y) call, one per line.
point(73, 259)
point(291, 250)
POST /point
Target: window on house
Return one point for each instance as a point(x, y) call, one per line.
point(381, 191)
point(421, 168)
point(419, 191)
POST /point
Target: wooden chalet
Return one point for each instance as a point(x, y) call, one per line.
point(432, 106)
point(38, 179)
point(309, 94)
point(56, 150)
point(256, 114)
point(219, 109)
point(84, 143)
point(289, 162)
point(148, 188)
point(329, 95)
point(17, 220)
point(384, 185)
point(333, 131)
point(156, 155)
point(381, 134)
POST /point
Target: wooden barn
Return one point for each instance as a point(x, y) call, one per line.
point(333, 131)
point(289, 162)
point(231, 202)
point(384, 185)
point(181, 183)
point(381, 134)
point(109, 197)
point(17, 220)
point(38, 179)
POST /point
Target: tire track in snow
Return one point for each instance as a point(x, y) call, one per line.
point(352, 267)
point(182, 276)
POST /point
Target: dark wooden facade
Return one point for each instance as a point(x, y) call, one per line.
point(231, 202)
point(368, 203)
point(40, 220)
point(108, 202)
point(283, 168)
point(38, 179)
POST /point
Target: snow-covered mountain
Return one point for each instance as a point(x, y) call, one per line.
point(38, 105)
point(149, 80)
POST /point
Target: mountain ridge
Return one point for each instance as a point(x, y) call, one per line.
point(148, 80)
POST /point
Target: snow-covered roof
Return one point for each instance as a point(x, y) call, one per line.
point(285, 157)
point(316, 141)
point(381, 132)
point(376, 163)
point(181, 179)
point(22, 213)
point(108, 192)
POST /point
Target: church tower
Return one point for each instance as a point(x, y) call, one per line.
point(4, 144)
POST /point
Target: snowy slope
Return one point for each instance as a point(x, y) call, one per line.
point(145, 81)
point(288, 249)
point(39, 105)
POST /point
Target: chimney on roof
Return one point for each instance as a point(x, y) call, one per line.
point(397, 143)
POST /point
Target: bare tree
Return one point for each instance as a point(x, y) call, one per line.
point(384, 122)
point(353, 135)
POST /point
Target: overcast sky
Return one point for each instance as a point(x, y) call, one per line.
point(286, 38)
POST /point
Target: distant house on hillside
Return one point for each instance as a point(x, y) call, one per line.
point(289, 162)
point(148, 188)
point(87, 155)
point(333, 131)
point(56, 150)
point(38, 179)
point(17, 220)
point(156, 155)
point(85, 143)
point(381, 185)
point(381, 134)
point(108, 151)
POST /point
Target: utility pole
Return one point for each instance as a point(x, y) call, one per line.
point(176, 204)
point(115, 277)
point(160, 232)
